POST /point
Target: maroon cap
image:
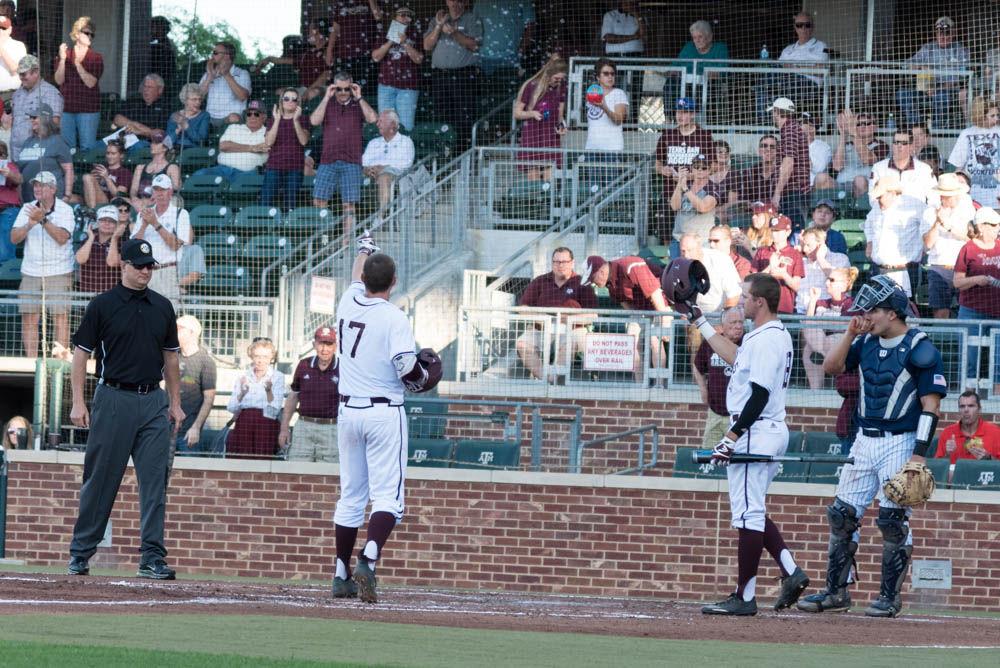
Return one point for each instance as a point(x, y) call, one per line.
point(254, 105)
point(781, 222)
point(594, 263)
point(325, 335)
point(764, 207)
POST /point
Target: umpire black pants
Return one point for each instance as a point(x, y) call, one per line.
point(124, 424)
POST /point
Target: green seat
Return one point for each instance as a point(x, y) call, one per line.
point(257, 218)
point(939, 467)
point(10, 274)
point(821, 443)
point(855, 240)
point(138, 155)
point(245, 189)
point(224, 280)
point(858, 258)
point(976, 474)
point(826, 474)
point(265, 248)
point(795, 439)
point(202, 189)
point(685, 466)
point(430, 452)
point(662, 252)
point(426, 419)
point(220, 246)
point(88, 156)
point(845, 225)
point(820, 195)
point(210, 217)
point(305, 220)
point(739, 162)
point(433, 138)
point(193, 158)
point(490, 455)
point(792, 472)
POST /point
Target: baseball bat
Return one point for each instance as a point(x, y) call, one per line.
point(705, 456)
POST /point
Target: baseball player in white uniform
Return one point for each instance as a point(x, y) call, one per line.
point(378, 360)
point(755, 399)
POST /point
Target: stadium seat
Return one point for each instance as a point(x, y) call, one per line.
point(827, 474)
point(305, 220)
point(821, 442)
point(845, 225)
point(855, 240)
point(487, 455)
point(257, 218)
point(220, 247)
point(939, 467)
point(433, 138)
point(430, 452)
point(792, 472)
point(207, 218)
point(84, 158)
point(265, 248)
point(137, 155)
point(244, 189)
point(203, 189)
point(10, 274)
point(223, 279)
point(426, 419)
point(976, 474)
point(685, 466)
point(795, 439)
point(193, 158)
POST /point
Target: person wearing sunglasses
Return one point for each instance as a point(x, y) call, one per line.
point(892, 233)
point(35, 92)
point(287, 136)
point(818, 341)
point(938, 92)
point(243, 147)
point(693, 200)
point(17, 433)
point(11, 52)
point(755, 184)
point(225, 86)
point(916, 177)
point(857, 150)
point(818, 261)
point(78, 74)
point(805, 89)
point(96, 273)
point(190, 125)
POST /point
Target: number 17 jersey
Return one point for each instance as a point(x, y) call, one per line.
point(372, 335)
point(765, 358)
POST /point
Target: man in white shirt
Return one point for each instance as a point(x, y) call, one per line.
point(804, 89)
point(45, 226)
point(892, 230)
point(11, 53)
point(242, 147)
point(387, 156)
point(916, 177)
point(226, 87)
point(726, 288)
point(623, 30)
point(945, 229)
point(168, 230)
point(820, 155)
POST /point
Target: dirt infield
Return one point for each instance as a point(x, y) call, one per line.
point(55, 594)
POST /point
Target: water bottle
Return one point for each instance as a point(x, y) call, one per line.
point(764, 54)
point(890, 123)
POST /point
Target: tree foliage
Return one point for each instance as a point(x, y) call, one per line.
point(194, 39)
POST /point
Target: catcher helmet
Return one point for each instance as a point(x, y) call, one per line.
point(881, 292)
point(684, 280)
point(431, 364)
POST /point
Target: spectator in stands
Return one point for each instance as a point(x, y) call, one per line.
point(399, 70)
point(782, 261)
point(159, 163)
point(892, 233)
point(822, 217)
point(11, 53)
point(917, 178)
point(97, 273)
point(559, 288)
point(541, 107)
point(820, 155)
point(310, 63)
point(10, 202)
point(190, 125)
point(34, 92)
point(977, 151)
point(932, 156)
point(106, 182)
point(857, 150)
point(453, 39)
point(725, 180)
point(243, 148)
point(701, 46)
point(343, 114)
point(314, 392)
point(971, 437)
point(605, 117)
point(286, 138)
point(758, 234)
point(756, 183)
point(678, 146)
point(805, 89)
point(817, 341)
point(256, 402)
point(145, 115)
point(712, 374)
point(388, 156)
point(46, 151)
point(726, 287)
point(939, 91)
point(45, 224)
point(720, 238)
point(354, 32)
point(225, 86)
point(78, 73)
point(191, 267)
point(508, 33)
point(921, 138)
point(623, 30)
point(167, 228)
point(977, 270)
point(162, 55)
point(945, 231)
point(198, 378)
point(819, 261)
point(17, 434)
point(694, 200)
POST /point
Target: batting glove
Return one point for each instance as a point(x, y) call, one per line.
point(366, 245)
point(722, 452)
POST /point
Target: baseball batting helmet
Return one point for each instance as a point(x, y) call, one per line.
point(683, 281)
point(431, 364)
point(881, 292)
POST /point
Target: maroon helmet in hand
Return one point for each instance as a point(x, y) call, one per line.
point(430, 374)
point(682, 282)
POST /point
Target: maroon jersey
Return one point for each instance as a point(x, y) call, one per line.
point(791, 260)
point(716, 372)
point(318, 389)
point(794, 145)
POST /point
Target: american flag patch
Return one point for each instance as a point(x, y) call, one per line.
point(939, 380)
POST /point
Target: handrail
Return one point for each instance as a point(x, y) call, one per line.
point(640, 466)
point(485, 120)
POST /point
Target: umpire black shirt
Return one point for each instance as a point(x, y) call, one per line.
point(128, 330)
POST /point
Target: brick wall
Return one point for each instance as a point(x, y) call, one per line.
point(611, 535)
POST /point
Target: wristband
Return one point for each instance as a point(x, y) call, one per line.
point(705, 327)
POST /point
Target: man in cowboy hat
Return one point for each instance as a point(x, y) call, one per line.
point(945, 229)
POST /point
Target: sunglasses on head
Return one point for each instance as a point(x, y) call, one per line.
point(805, 24)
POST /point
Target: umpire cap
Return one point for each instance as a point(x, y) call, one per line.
point(138, 253)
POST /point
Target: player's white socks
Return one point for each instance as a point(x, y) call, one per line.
point(341, 570)
point(371, 553)
point(750, 589)
point(787, 562)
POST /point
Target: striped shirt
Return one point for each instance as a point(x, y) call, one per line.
point(794, 145)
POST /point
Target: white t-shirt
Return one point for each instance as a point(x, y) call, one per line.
point(374, 336)
point(221, 101)
point(602, 133)
point(813, 50)
point(17, 51)
point(765, 358)
point(175, 221)
point(618, 23)
point(44, 257)
point(816, 278)
point(953, 237)
point(725, 283)
point(396, 155)
point(895, 237)
point(243, 160)
point(917, 182)
point(820, 156)
point(977, 152)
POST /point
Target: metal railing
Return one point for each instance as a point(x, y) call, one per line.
point(641, 465)
point(497, 127)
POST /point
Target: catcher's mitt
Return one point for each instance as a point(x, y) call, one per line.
point(910, 490)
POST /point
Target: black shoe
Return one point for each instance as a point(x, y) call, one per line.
point(791, 588)
point(826, 601)
point(364, 578)
point(344, 588)
point(734, 606)
point(884, 606)
point(79, 566)
point(156, 570)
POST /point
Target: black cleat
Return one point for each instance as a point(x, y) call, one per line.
point(883, 606)
point(826, 602)
point(156, 570)
point(733, 606)
point(364, 578)
point(79, 566)
point(791, 588)
point(344, 588)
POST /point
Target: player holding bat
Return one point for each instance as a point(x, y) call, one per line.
point(762, 365)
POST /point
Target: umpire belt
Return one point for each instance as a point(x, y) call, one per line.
point(142, 388)
point(882, 433)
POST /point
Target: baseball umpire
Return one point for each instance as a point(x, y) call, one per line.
point(755, 398)
point(902, 383)
point(378, 360)
point(132, 331)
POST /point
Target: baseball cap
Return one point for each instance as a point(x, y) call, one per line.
point(987, 216)
point(594, 263)
point(686, 104)
point(27, 64)
point(405, 11)
point(782, 103)
point(163, 181)
point(764, 207)
point(157, 137)
point(108, 212)
point(190, 323)
point(42, 110)
point(828, 203)
point(944, 22)
point(701, 157)
point(781, 222)
point(807, 119)
point(4, 22)
point(325, 335)
point(254, 105)
point(138, 253)
point(45, 178)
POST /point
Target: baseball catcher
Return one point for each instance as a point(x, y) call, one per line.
point(902, 383)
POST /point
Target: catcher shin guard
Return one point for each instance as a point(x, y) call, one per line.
point(843, 521)
point(895, 552)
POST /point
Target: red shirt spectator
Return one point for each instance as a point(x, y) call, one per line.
point(795, 145)
point(10, 193)
point(397, 69)
point(543, 292)
point(95, 274)
point(848, 387)
point(717, 372)
point(675, 149)
point(986, 436)
point(743, 266)
point(310, 65)
point(790, 261)
point(287, 153)
point(318, 389)
point(357, 29)
point(627, 274)
point(973, 261)
point(79, 98)
point(343, 125)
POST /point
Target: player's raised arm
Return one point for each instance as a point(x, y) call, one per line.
point(366, 246)
point(836, 360)
point(682, 282)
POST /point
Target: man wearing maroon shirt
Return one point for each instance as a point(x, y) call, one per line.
point(756, 183)
point(314, 391)
point(782, 261)
point(355, 30)
point(712, 373)
point(791, 191)
point(559, 288)
point(679, 146)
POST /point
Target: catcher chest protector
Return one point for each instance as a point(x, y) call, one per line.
point(683, 281)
